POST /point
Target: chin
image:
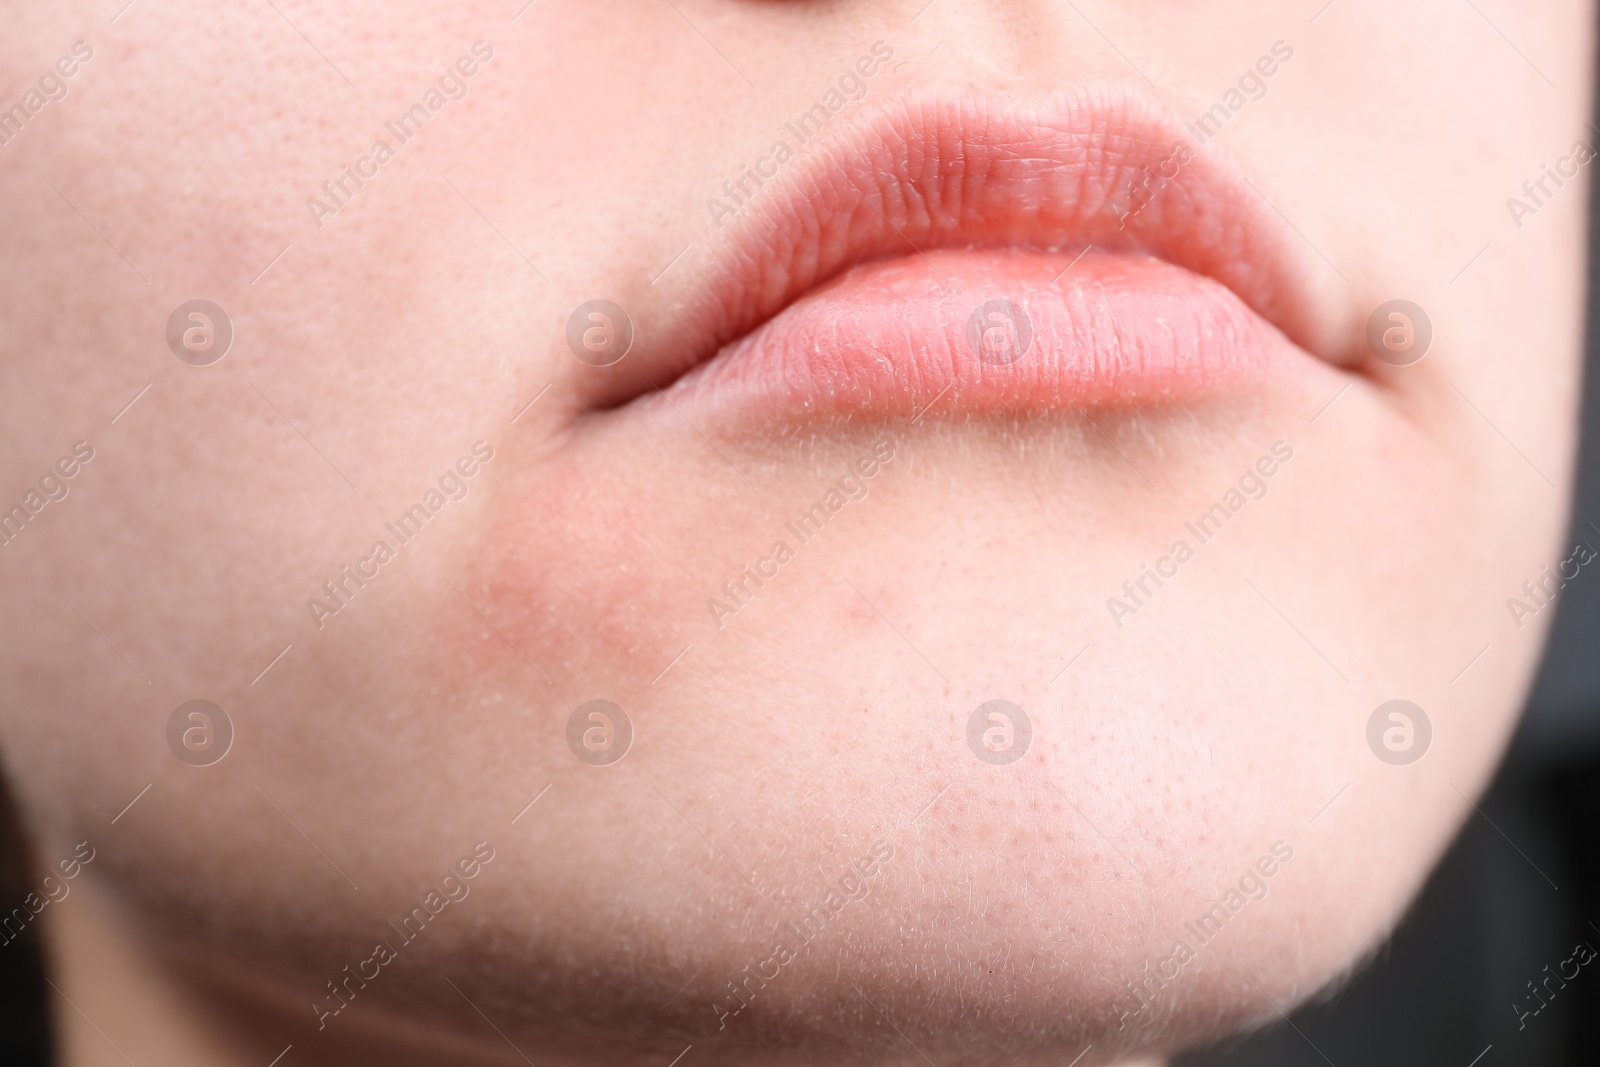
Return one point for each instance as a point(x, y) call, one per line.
point(814, 849)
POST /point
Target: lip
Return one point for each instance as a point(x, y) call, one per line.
point(863, 278)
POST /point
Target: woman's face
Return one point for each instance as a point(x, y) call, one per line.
point(945, 354)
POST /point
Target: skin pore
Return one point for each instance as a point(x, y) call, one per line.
point(1197, 739)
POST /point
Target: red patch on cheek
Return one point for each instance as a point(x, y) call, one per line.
point(571, 573)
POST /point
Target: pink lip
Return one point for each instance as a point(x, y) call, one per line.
point(848, 281)
point(989, 330)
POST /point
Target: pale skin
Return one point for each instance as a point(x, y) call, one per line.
point(1023, 903)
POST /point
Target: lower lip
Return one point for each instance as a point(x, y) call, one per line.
point(987, 331)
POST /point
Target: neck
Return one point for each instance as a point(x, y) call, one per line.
point(116, 999)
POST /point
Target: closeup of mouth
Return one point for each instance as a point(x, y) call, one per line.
point(976, 254)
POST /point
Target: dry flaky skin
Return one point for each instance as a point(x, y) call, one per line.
point(1021, 904)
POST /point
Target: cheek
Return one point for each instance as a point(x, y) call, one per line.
point(604, 563)
point(582, 585)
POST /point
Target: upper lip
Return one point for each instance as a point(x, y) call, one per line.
point(916, 174)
